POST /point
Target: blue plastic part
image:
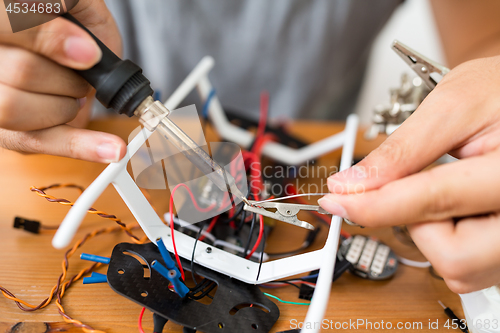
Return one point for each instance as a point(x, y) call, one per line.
point(169, 262)
point(173, 276)
point(95, 274)
point(95, 278)
point(204, 112)
point(94, 258)
point(157, 95)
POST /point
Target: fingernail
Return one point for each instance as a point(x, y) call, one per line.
point(82, 102)
point(333, 207)
point(109, 152)
point(82, 50)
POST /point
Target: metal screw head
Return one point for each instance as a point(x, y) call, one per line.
point(208, 250)
point(423, 69)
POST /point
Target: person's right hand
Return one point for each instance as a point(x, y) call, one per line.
point(40, 93)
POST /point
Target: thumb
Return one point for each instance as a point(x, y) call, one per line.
point(64, 42)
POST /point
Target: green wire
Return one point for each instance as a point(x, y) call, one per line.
point(286, 302)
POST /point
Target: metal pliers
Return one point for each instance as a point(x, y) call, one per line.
point(422, 65)
point(286, 212)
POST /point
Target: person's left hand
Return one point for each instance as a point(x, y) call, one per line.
point(453, 210)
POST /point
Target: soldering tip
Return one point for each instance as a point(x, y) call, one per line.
point(441, 303)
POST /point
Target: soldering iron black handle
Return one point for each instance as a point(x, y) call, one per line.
point(119, 83)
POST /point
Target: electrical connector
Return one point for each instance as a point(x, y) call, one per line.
point(28, 225)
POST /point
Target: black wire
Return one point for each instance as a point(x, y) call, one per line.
point(292, 284)
point(200, 286)
point(310, 238)
point(194, 250)
point(206, 292)
point(304, 278)
point(247, 246)
point(205, 282)
point(262, 253)
point(242, 222)
point(235, 215)
point(243, 215)
point(239, 211)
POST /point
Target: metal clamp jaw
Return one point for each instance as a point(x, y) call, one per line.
point(285, 212)
point(422, 65)
point(407, 98)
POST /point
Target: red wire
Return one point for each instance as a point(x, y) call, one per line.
point(139, 323)
point(261, 141)
point(177, 259)
point(264, 110)
point(259, 239)
point(203, 210)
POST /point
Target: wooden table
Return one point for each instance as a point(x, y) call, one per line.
point(29, 266)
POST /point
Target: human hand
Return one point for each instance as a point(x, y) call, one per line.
point(452, 210)
point(40, 93)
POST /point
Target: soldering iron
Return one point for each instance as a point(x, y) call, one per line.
point(121, 85)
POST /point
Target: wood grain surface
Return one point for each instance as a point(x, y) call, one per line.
point(29, 265)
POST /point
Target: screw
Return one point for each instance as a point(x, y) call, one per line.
point(423, 69)
point(209, 250)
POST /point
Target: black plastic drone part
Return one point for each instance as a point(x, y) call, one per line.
point(229, 310)
point(119, 84)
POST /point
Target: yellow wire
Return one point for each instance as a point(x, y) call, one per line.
point(61, 280)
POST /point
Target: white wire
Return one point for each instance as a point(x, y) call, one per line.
point(413, 263)
point(295, 196)
point(321, 296)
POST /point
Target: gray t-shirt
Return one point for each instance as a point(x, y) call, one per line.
point(309, 54)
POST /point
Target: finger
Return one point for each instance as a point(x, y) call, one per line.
point(485, 142)
point(59, 40)
point(465, 254)
point(28, 71)
point(63, 41)
point(25, 111)
point(430, 132)
point(64, 140)
point(450, 190)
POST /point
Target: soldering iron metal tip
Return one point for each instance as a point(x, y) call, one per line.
point(245, 200)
